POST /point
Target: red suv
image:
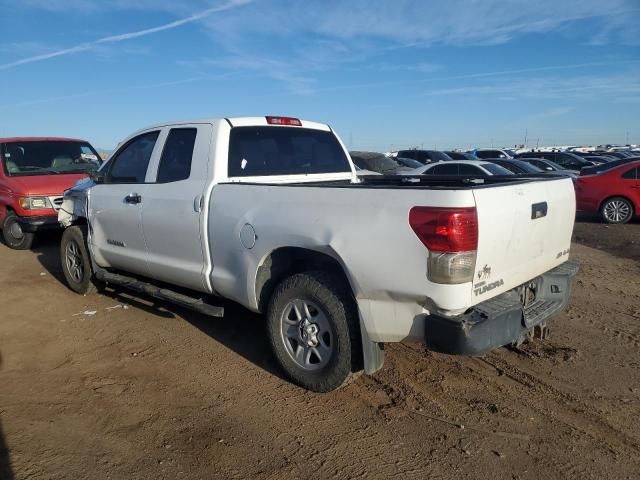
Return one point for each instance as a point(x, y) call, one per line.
point(611, 190)
point(34, 173)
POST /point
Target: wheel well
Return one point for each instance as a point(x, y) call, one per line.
point(288, 261)
point(633, 207)
point(5, 210)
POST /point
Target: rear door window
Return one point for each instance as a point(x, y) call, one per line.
point(177, 155)
point(444, 169)
point(632, 174)
point(470, 170)
point(268, 151)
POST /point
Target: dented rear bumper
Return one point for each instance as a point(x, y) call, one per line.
point(502, 320)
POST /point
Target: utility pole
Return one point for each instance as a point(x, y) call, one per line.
point(526, 134)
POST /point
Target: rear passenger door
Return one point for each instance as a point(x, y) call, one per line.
point(173, 214)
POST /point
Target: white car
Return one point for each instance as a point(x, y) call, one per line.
point(268, 212)
point(482, 153)
point(461, 167)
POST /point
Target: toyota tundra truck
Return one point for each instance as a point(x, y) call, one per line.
point(34, 173)
point(268, 212)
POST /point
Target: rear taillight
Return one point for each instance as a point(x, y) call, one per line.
point(451, 236)
point(295, 122)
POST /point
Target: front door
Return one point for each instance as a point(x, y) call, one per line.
point(173, 211)
point(116, 204)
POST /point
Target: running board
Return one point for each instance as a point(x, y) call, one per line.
point(160, 293)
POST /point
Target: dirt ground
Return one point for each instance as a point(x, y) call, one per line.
point(118, 387)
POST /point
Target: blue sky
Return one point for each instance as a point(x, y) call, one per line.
point(384, 73)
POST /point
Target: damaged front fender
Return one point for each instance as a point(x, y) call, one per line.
point(75, 203)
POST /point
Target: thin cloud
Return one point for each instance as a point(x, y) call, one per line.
point(127, 36)
point(497, 73)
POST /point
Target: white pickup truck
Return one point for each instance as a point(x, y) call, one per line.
point(269, 213)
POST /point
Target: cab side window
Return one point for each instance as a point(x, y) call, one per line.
point(177, 155)
point(130, 164)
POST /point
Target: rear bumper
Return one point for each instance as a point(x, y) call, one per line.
point(503, 319)
point(37, 224)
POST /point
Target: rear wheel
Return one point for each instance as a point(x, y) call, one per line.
point(13, 234)
point(76, 263)
point(617, 210)
point(313, 329)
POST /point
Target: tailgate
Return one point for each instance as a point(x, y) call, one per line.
point(524, 231)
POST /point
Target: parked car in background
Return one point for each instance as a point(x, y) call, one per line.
point(479, 168)
point(613, 193)
point(599, 153)
point(548, 166)
point(484, 153)
point(515, 166)
point(566, 160)
point(378, 162)
point(593, 169)
point(620, 154)
point(424, 156)
point(599, 159)
point(461, 155)
point(34, 174)
point(408, 162)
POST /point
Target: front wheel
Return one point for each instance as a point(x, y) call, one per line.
point(313, 329)
point(76, 263)
point(617, 210)
point(13, 234)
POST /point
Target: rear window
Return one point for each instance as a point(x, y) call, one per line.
point(409, 162)
point(456, 155)
point(436, 156)
point(266, 151)
point(376, 162)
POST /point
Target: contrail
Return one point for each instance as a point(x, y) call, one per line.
point(127, 36)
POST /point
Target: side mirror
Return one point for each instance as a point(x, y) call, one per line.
point(98, 177)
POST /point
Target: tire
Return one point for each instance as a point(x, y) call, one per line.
point(616, 210)
point(13, 235)
point(76, 263)
point(317, 308)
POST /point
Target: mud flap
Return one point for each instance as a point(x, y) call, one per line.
point(372, 352)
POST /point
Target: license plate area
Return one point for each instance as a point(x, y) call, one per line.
point(528, 293)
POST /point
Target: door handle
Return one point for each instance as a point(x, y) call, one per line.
point(198, 203)
point(133, 199)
